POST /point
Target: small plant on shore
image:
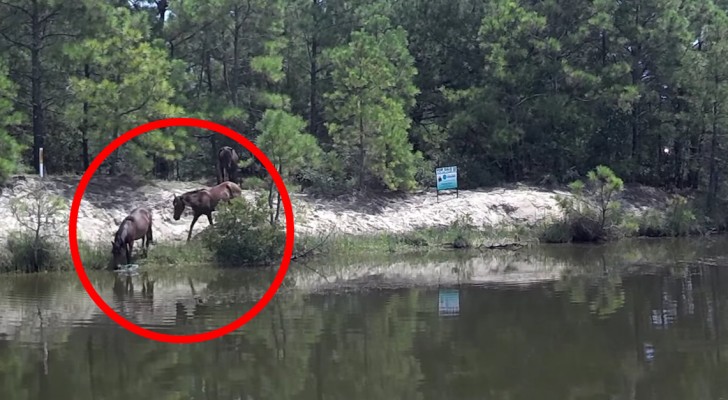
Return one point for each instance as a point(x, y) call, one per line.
point(243, 234)
point(678, 220)
point(592, 213)
point(38, 213)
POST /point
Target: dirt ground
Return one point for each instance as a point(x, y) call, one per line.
point(108, 200)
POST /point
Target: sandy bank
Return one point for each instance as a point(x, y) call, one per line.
point(107, 200)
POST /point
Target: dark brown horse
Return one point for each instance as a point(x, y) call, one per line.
point(204, 201)
point(227, 165)
point(137, 225)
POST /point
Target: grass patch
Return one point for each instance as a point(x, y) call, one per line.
point(461, 234)
point(20, 255)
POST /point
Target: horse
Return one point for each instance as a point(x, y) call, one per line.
point(204, 201)
point(137, 225)
point(227, 165)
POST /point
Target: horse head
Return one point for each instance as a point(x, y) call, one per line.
point(117, 249)
point(179, 207)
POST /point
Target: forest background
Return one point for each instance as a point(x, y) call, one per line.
point(351, 96)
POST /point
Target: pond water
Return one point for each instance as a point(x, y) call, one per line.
point(638, 320)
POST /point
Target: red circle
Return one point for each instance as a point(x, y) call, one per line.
point(287, 251)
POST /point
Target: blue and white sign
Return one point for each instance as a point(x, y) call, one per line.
point(447, 178)
point(449, 302)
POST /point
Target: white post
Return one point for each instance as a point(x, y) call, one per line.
point(40, 162)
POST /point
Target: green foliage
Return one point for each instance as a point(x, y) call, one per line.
point(372, 92)
point(30, 254)
point(284, 142)
point(38, 213)
point(505, 89)
point(243, 236)
point(130, 84)
point(591, 213)
point(10, 149)
point(678, 220)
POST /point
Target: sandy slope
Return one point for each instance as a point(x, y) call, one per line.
point(108, 200)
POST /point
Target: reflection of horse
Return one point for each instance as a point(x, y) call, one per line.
point(137, 225)
point(124, 286)
point(204, 201)
point(130, 302)
point(227, 165)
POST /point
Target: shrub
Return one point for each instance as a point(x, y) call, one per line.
point(38, 212)
point(30, 254)
point(242, 234)
point(680, 219)
point(591, 213)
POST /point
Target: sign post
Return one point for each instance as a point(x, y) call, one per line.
point(40, 162)
point(447, 179)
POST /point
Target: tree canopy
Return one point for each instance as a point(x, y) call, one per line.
point(507, 90)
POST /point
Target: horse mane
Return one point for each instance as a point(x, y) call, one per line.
point(117, 236)
point(191, 192)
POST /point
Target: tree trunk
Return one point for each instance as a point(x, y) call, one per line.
point(694, 160)
point(278, 203)
point(161, 11)
point(713, 174)
point(235, 68)
point(84, 125)
point(361, 148)
point(36, 84)
point(270, 202)
point(313, 76)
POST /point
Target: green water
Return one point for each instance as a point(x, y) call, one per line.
point(642, 320)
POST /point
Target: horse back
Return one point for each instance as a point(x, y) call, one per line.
point(141, 218)
point(227, 155)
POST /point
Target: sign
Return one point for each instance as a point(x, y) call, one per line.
point(449, 302)
point(447, 178)
point(40, 161)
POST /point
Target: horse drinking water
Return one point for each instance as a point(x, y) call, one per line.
point(204, 201)
point(137, 225)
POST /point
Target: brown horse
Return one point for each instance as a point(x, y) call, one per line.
point(137, 225)
point(227, 165)
point(204, 201)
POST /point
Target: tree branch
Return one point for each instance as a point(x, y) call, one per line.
point(13, 41)
point(13, 6)
point(127, 112)
point(50, 35)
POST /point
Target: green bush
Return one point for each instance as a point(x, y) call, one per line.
point(28, 254)
point(680, 220)
point(592, 213)
point(243, 235)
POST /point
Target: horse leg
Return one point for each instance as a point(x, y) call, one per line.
point(194, 219)
point(209, 218)
point(129, 247)
point(145, 245)
point(150, 236)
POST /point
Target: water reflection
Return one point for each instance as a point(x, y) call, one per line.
point(449, 302)
point(610, 326)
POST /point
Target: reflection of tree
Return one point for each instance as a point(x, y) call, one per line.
point(510, 343)
point(599, 287)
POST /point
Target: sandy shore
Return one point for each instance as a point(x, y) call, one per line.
point(108, 200)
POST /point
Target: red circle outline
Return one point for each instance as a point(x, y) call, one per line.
point(287, 251)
